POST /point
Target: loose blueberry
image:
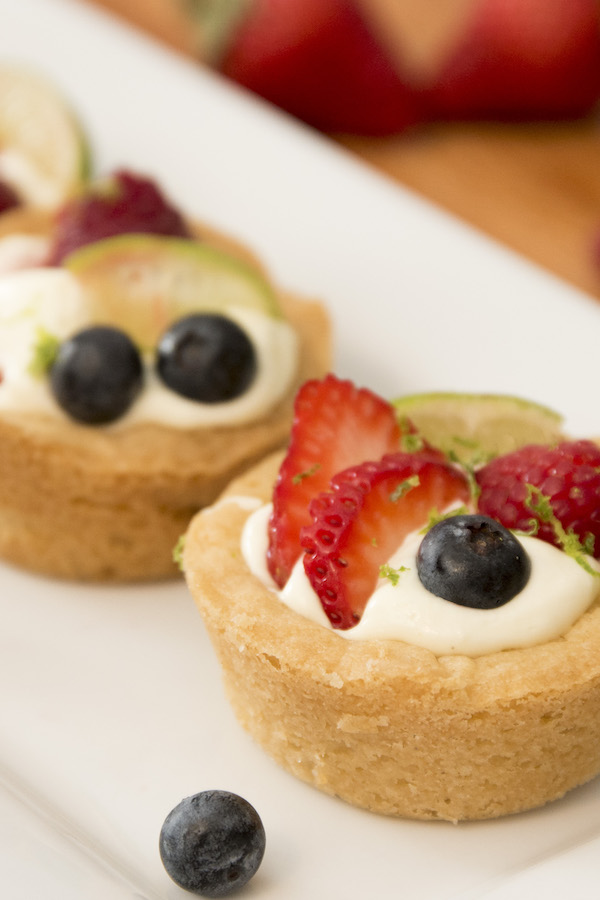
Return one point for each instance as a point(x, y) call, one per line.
point(96, 375)
point(474, 561)
point(206, 357)
point(212, 843)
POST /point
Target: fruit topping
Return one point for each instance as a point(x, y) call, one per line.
point(96, 375)
point(123, 203)
point(212, 843)
point(363, 519)
point(143, 283)
point(554, 489)
point(475, 427)
point(335, 425)
point(9, 199)
point(42, 145)
point(474, 561)
point(206, 357)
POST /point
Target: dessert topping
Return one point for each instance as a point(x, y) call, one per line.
point(474, 561)
point(335, 425)
point(206, 357)
point(96, 375)
point(364, 517)
point(566, 476)
point(122, 203)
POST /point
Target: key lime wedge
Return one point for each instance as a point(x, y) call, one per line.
point(43, 151)
point(474, 427)
point(142, 283)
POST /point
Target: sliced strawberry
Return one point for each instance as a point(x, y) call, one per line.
point(523, 59)
point(362, 521)
point(318, 60)
point(336, 425)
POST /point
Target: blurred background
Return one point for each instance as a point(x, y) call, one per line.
point(489, 108)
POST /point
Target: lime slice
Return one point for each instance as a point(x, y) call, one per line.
point(474, 427)
point(43, 151)
point(143, 283)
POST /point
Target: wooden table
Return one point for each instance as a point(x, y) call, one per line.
point(535, 188)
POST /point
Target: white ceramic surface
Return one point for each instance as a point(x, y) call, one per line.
point(111, 707)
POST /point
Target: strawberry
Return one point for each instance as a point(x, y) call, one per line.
point(568, 476)
point(318, 60)
point(523, 59)
point(123, 203)
point(335, 425)
point(364, 518)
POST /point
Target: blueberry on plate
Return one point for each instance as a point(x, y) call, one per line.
point(212, 843)
point(206, 357)
point(474, 561)
point(96, 375)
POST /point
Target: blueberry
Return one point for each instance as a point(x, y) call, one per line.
point(212, 843)
point(206, 357)
point(96, 375)
point(474, 561)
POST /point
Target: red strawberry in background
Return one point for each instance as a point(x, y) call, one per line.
point(523, 59)
point(331, 64)
point(318, 60)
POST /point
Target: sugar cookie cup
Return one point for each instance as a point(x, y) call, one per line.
point(382, 724)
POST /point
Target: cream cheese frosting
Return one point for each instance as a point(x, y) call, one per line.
point(558, 592)
point(51, 300)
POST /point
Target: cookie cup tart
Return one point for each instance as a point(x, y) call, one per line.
point(386, 724)
point(108, 501)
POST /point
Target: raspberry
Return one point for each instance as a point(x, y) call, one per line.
point(568, 475)
point(9, 199)
point(124, 203)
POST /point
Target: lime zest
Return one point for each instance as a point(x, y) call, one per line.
point(570, 543)
point(404, 487)
point(308, 473)
point(411, 441)
point(434, 516)
point(178, 552)
point(45, 352)
point(392, 574)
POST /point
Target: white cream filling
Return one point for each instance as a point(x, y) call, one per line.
point(558, 592)
point(51, 299)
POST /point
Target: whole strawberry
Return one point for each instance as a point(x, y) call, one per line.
point(539, 483)
point(320, 61)
point(523, 59)
point(123, 203)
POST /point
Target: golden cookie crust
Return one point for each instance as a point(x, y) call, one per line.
point(383, 724)
point(106, 504)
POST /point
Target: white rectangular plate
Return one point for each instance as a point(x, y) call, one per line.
point(111, 707)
